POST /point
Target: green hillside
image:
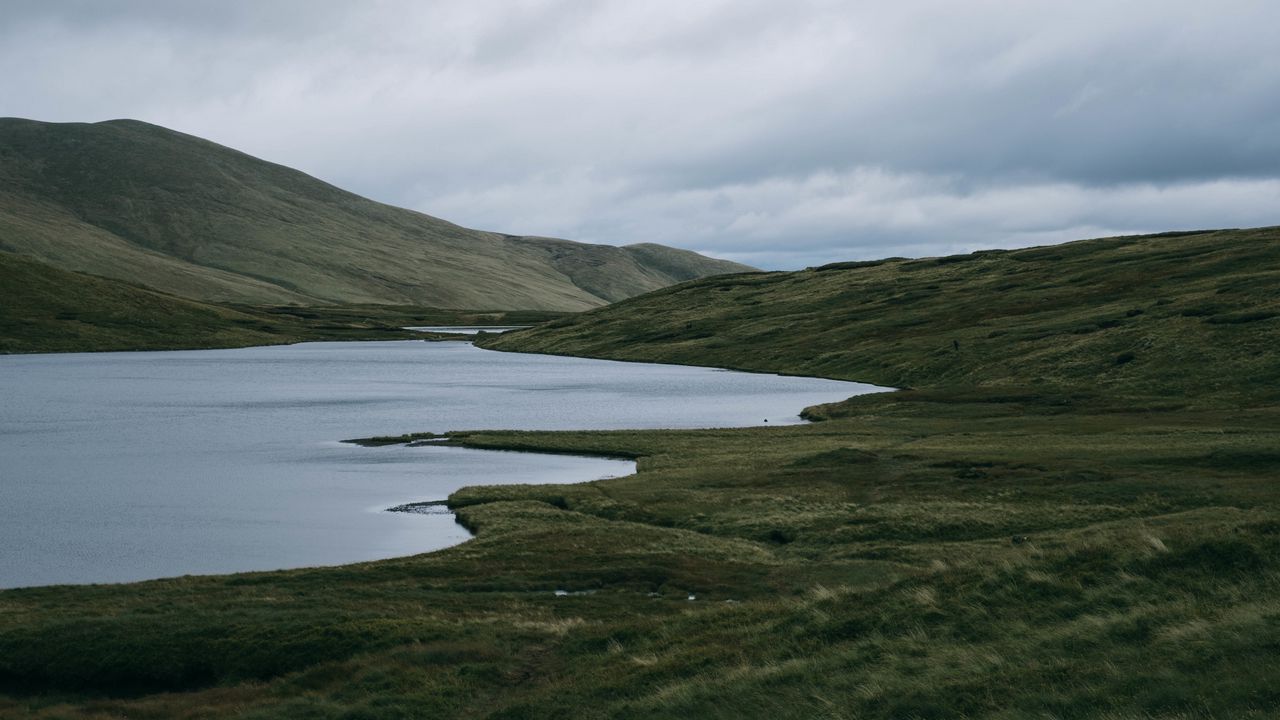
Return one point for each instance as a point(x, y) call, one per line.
point(1072, 515)
point(1190, 314)
point(137, 202)
point(51, 310)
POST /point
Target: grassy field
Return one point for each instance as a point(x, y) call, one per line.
point(1020, 535)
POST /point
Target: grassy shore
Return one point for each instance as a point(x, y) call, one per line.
point(1037, 528)
point(45, 309)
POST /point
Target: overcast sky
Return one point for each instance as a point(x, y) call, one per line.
point(780, 134)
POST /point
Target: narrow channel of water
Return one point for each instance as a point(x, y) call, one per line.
point(465, 329)
point(126, 466)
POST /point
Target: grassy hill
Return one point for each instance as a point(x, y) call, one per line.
point(50, 310)
point(1183, 313)
point(1039, 529)
point(137, 202)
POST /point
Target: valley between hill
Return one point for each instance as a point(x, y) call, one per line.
point(1070, 513)
point(131, 201)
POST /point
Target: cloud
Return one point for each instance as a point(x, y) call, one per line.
point(790, 222)
point(785, 133)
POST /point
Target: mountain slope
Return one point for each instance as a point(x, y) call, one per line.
point(50, 310)
point(138, 202)
point(1185, 313)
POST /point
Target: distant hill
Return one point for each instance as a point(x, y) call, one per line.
point(1191, 314)
point(129, 200)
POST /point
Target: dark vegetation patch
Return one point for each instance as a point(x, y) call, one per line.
point(1249, 460)
point(856, 264)
point(837, 457)
point(1243, 317)
point(381, 440)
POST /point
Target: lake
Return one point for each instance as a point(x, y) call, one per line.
point(126, 466)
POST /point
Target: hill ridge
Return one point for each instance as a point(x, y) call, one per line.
point(135, 201)
point(1162, 314)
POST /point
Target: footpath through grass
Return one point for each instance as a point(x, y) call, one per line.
point(1049, 540)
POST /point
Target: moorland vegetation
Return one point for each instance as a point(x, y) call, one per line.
point(1069, 511)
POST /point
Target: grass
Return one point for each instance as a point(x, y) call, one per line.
point(1186, 315)
point(137, 202)
point(1006, 544)
point(51, 310)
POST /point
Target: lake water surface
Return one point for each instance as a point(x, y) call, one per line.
point(126, 466)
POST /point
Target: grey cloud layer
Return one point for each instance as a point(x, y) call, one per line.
point(777, 134)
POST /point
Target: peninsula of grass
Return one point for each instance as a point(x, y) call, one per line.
point(1071, 513)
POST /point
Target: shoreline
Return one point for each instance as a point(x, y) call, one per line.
point(513, 442)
